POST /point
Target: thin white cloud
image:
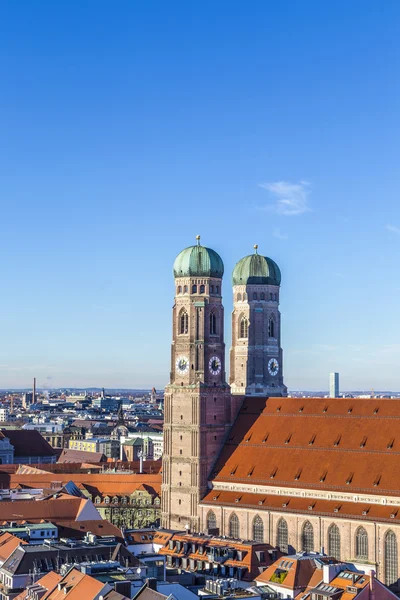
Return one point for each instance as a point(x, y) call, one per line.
point(287, 198)
point(279, 235)
point(393, 229)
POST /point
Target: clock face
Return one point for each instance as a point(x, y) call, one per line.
point(182, 364)
point(214, 364)
point(273, 367)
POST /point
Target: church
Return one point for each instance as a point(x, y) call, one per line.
point(245, 461)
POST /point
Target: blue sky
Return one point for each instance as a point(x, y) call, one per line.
point(126, 128)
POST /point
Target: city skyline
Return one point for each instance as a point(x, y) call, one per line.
point(246, 126)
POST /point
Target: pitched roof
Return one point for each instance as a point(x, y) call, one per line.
point(74, 456)
point(292, 572)
point(46, 583)
point(97, 483)
point(59, 508)
point(75, 585)
point(305, 442)
point(78, 529)
point(146, 593)
point(253, 556)
point(28, 442)
point(8, 543)
point(306, 506)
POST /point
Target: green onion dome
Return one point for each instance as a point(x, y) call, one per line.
point(198, 261)
point(256, 269)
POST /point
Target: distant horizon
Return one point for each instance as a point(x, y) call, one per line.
point(148, 389)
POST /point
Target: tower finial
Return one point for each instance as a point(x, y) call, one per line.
point(256, 248)
point(198, 240)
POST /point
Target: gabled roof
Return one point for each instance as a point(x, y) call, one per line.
point(59, 508)
point(78, 529)
point(28, 442)
point(75, 586)
point(8, 543)
point(46, 583)
point(292, 572)
point(342, 444)
point(74, 456)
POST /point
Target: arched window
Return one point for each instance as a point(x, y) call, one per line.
point(307, 537)
point(391, 574)
point(183, 322)
point(271, 328)
point(217, 289)
point(194, 289)
point(262, 296)
point(213, 324)
point(258, 530)
point(233, 526)
point(334, 541)
point(361, 543)
point(211, 289)
point(243, 328)
point(202, 289)
point(185, 289)
point(239, 298)
point(254, 295)
point(211, 520)
point(179, 289)
point(282, 535)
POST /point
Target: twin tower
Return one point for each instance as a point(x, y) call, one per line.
point(199, 405)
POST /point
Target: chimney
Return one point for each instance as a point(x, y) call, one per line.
point(152, 583)
point(372, 585)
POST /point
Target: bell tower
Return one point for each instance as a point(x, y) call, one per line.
point(197, 399)
point(256, 354)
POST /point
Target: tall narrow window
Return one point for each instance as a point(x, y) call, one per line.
point(185, 289)
point(202, 289)
point(179, 291)
point(194, 289)
point(282, 535)
point(243, 328)
point(262, 296)
point(213, 324)
point(271, 328)
point(307, 537)
point(258, 530)
point(254, 295)
point(334, 541)
point(233, 526)
point(183, 322)
point(239, 298)
point(211, 520)
point(361, 543)
point(391, 572)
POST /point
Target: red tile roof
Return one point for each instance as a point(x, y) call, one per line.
point(47, 582)
point(306, 506)
point(307, 442)
point(8, 543)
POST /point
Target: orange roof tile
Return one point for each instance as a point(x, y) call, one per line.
point(292, 442)
point(359, 510)
point(47, 582)
point(8, 543)
point(78, 586)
